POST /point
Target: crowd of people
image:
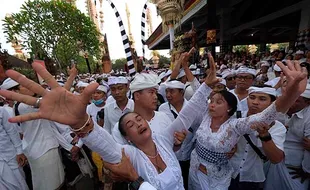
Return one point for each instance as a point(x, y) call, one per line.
point(239, 122)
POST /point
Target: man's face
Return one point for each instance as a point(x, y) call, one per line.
point(147, 98)
point(257, 102)
point(174, 95)
point(244, 81)
point(119, 91)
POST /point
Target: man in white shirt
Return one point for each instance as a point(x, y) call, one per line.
point(255, 148)
point(98, 102)
point(294, 171)
point(121, 105)
point(144, 89)
point(244, 79)
point(11, 157)
point(230, 78)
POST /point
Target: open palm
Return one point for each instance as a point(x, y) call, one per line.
point(58, 104)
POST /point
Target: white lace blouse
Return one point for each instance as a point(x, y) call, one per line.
point(221, 141)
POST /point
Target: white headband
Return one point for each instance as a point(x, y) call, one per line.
point(117, 80)
point(8, 83)
point(102, 88)
point(246, 70)
point(143, 81)
point(265, 90)
point(174, 84)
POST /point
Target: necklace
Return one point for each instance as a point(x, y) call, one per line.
point(152, 157)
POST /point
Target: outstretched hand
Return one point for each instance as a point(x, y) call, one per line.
point(58, 104)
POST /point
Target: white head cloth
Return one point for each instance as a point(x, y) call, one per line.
point(168, 73)
point(246, 70)
point(226, 73)
point(181, 73)
point(265, 90)
point(8, 83)
point(117, 80)
point(300, 52)
point(162, 75)
point(102, 88)
point(223, 81)
point(306, 93)
point(82, 84)
point(265, 64)
point(277, 68)
point(174, 84)
point(143, 81)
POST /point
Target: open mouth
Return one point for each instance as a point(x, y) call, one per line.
point(141, 131)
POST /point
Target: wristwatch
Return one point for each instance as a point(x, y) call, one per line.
point(135, 185)
point(265, 138)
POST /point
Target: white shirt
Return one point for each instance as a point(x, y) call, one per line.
point(39, 135)
point(190, 88)
point(93, 110)
point(112, 113)
point(298, 128)
point(188, 144)
point(11, 114)
point(158, 123)
point(10, 142)
point(247, 163)
point(242, 104)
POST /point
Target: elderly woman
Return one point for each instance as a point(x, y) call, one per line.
point(153, 156)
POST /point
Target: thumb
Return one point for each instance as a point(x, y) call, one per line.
point(89, 90)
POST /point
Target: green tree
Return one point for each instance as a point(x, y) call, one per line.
point(163, 60)
point(52, 29)
point(119, 63)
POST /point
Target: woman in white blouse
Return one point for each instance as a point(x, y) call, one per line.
point(157, 163)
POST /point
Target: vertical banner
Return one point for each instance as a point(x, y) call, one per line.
point(41, 62)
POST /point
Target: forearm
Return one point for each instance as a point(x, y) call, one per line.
point(284, 102)
point(100, 141)
point(175, 71)
point(189, 75)
point(273, 153)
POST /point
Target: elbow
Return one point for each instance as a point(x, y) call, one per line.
point(275, 159)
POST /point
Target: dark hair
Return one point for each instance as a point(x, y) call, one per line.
point(230, 99)
point(120, 124)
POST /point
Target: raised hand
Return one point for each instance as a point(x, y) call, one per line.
point(58, 104)
point(73, 72)
point(296, 77)
point(211, 77)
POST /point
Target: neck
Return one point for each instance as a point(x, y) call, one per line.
point(122, 104)
point(218, 121)
point(241, 91)
point(178, 105)
point(148, 147)
point(145, 113)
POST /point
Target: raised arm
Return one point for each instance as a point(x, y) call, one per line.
point(62, 106)
point(296, 82)
point(198, 104)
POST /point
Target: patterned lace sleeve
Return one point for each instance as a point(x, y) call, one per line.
point(194, 108)
point(100, 141)
point(243, 125)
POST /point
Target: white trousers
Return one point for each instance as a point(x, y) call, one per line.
point(47, 171)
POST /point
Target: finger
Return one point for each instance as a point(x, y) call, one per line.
point(290, 65)
point(48, 78)
point(284, 69)
point(25, 117)
point(29, 100)
point(25, 82)
point(88, 91)
point(177, 142)
point(192, 51)
point(297, 66)
point(304, 71)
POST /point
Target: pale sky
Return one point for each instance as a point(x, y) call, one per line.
point(111, 27)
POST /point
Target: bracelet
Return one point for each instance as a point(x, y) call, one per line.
point(79, 129)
